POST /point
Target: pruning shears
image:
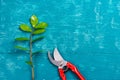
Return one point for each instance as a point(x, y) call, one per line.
point(63, 65)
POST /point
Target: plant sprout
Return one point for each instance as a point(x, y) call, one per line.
point(36, 28)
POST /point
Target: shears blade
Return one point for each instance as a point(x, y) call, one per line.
point(52, 60)
point(57, 55)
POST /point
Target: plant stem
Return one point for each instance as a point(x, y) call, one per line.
point(32, 67)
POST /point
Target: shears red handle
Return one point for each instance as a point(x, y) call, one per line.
point(73, 69)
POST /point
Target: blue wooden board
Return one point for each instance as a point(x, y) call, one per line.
point(87, 33)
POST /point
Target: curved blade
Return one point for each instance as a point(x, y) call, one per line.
point(57, 55)
point(52, 60)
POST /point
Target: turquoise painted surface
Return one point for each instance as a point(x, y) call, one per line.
point(87, 33)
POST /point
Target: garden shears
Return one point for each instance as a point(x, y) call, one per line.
point(63, 65)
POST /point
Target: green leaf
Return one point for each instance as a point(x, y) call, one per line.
point(22, 39)
point(21, 48)
point(37, 39)
point(29, 63)
point(39, 31)
point(37, 52)
point(41, 25)
point(25, 28)
point(33, 20)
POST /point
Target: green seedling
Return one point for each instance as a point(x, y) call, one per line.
point(36, 28)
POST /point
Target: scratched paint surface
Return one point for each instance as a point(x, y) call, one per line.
point(87, 33)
